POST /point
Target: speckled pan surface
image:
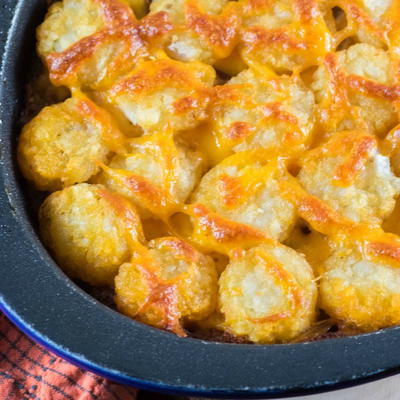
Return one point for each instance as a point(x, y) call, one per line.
point(53, 310)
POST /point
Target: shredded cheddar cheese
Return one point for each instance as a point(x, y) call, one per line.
point(225, 164)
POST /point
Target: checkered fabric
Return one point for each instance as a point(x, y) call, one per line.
point(28, 371)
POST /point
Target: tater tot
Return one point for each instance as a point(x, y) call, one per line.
point(362, 81)
point(202, 30)
point(64, 143)
point(167, 284)
point(90, 43)
point(367, 61)
point(352, 177)
point(361, 285)
point(244, 188)
point(254, 110)
point(158, 174)
point(373, 65)
point(270, 34)
point(163, 93)
point(90, 231)
point(371, 27)
point(67, 22)
point(356, 21)
point(268, 294)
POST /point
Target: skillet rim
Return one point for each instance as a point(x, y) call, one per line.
point(160, 358)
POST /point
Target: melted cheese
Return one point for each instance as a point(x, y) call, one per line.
point(232, 126)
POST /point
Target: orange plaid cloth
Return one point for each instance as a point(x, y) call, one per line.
point(28, 371)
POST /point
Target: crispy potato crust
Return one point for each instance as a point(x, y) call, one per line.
point(90, 231)
point(164, 93)
point(356, 88)
point(90, 44)
point(271, 34)
point(167, 284)
point(201, 30)
point(244, 189)
point(65, 143)
point(256, 109)
point(158, 174)
point(268, 294)
point(350, 175)
point(361, 288)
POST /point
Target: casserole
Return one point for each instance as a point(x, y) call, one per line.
point(53, 310)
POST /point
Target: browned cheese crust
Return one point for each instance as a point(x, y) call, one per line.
point(228, 169)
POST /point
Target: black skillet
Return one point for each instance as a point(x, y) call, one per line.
point(50, 308)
